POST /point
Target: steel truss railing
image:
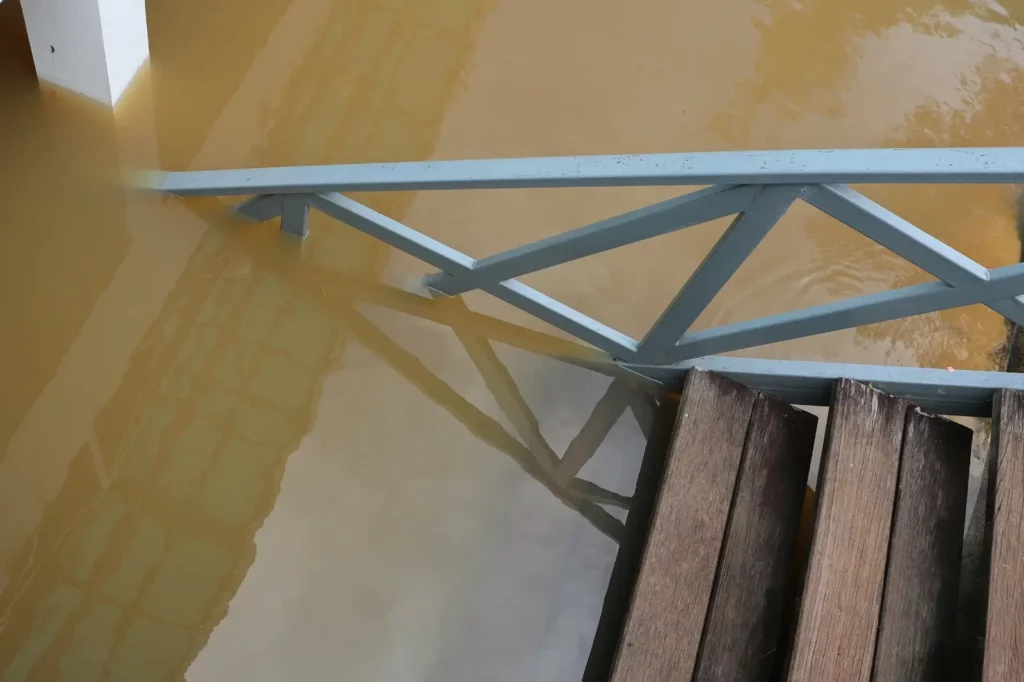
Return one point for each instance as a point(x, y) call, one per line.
point(756, 187)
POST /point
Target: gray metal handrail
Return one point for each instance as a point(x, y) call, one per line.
point(757, 187)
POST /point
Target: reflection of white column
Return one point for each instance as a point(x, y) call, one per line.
point(164, 235)
point(92, 47)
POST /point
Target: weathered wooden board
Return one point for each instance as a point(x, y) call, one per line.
point(1004, 631)
point(627, 562)
point(743, 631)
point(663, 629)
point(838, 620)
point(918, 618)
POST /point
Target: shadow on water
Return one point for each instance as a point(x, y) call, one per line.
point(165, 366)
point(187, 457)
point(339, 296)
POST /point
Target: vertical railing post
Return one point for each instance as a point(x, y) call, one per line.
point(295, 216)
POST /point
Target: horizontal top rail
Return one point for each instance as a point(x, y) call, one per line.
point(756, 188)
point(979, 165)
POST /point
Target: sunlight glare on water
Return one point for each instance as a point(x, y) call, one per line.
point(228, 455)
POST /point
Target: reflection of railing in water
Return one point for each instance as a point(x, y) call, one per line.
point(558, 474)
point(758, 187)
point(341, 294)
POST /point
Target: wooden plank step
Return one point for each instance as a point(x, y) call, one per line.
point(918, 620)
point(838, 620)
point(1004, 631)
point(743, 628)
point(879, 603)
point(703, 563)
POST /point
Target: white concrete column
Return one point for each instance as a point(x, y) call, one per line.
point(92, 47)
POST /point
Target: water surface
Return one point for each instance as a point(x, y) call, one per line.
point(228, 455)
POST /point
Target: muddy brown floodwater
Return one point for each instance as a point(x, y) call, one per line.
point(227, 455)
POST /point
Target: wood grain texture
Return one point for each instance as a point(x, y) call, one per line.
point(918, 619)
point(743, 630)
point(627, 561)
point(1004, 631)
point(663, 629)
point(838, 620)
